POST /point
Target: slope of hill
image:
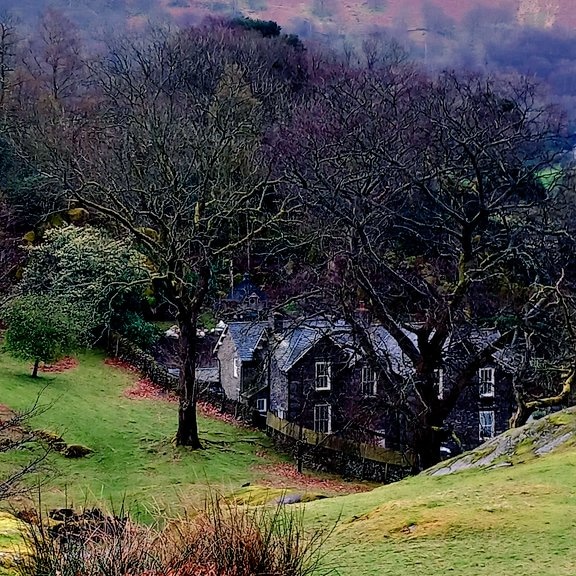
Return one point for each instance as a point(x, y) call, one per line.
point(348, 16)
point(512, 519)
point(352, 15)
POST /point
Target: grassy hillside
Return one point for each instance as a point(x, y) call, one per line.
point(514, 519)
point(134, 458)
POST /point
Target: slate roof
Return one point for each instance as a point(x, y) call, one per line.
point(296, 342)
point(208, 375)
point(246, 337)
point(386, 346)
point(291, 345)
point(244, 290)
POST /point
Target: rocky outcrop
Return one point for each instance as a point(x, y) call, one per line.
point(549, 434)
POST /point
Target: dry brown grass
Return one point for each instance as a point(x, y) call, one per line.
point(222, 539)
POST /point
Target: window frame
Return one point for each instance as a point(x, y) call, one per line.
point(324, 376)
point(439, 381)
point(486, 386)
point(327, 420)
point(253, 301)
point(482, 427)
point(262, 410)
point(368, 386)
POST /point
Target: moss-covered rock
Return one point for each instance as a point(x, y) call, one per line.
point(12, 543)
point(77, 451)
point(549, 434)
point(261, 495)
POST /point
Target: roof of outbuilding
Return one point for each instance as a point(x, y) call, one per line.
point(244, 290)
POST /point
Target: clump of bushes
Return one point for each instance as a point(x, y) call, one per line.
point(220, 540)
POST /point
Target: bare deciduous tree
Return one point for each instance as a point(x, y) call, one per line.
point(169, 152)
point(428, 196)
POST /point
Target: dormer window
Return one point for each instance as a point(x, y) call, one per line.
point(323, 376)
point(253, 301)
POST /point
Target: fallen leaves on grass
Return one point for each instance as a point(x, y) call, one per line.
point(146, 389)
point(117, 363)
point(210, 411)
point(67, 363)
point(287, 475)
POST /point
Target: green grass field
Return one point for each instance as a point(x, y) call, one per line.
point(513, 520)
point(519, 519)
point(134, 459)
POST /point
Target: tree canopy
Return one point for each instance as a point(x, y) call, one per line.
point(416, 196)
point(42, 328)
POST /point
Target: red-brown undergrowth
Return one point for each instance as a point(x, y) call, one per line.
point(62, 365)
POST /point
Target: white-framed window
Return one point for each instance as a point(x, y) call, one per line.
point(323, 376)
point(486, 424)
point(262, 405)
point(368, 381)
point(323, 418)
point(236, 369)
point(486, 380)
point(439, 382)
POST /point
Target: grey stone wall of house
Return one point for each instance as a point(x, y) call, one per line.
point(226, 353)
point(293, 395)
point(279, 399)
point(347, 465)
point(465, 417)
point(302, 386)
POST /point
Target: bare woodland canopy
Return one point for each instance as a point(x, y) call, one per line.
point(441, 202)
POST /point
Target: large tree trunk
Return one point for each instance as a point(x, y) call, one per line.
point(426, 445)
point(187, 434)
point(35, 368)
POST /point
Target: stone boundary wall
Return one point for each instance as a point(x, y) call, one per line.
point(124, 349)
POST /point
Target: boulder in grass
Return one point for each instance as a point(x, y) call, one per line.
point(77, 451)
point(49, 437)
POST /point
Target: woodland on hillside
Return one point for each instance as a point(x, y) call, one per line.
point(441, 203)
point(533, 38)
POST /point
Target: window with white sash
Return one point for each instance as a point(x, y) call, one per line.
point(487, 425)
point(323, 376)
point(323, 418)
point(486, 381)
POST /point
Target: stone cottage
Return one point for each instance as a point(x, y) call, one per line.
point(311, 373)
